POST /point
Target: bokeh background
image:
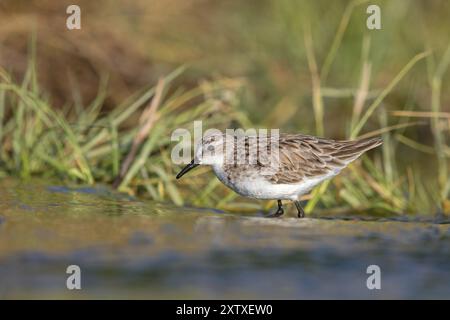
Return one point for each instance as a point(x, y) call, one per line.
point(263, 64)
point(86, 176)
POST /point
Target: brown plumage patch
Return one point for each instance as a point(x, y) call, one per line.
point(300, 157)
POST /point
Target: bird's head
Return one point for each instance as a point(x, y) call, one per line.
point(210, 151)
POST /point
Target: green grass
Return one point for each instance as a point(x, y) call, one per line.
point(88, 144)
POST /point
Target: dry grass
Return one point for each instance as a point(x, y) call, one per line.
point(79, 123)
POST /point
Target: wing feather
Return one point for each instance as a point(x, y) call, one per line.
point(303, 156)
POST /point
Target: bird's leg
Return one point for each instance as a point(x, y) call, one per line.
point(279, 211)
point(300, 212)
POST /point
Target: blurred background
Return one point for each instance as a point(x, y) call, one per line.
point(86, 176)
point(301, 66)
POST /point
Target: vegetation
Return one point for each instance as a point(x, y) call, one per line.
point(97, 143)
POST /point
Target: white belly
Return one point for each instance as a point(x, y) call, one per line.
point(259, 188)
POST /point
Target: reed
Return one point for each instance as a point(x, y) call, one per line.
point(129, 145)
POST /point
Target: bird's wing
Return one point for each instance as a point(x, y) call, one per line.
point(302, 157)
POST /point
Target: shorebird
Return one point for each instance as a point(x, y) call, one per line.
point(297, 164)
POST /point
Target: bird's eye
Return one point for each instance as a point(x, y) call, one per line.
point(211, 150)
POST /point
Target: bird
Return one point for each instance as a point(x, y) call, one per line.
point(281, 167)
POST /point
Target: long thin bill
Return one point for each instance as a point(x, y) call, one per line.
point(189, 167)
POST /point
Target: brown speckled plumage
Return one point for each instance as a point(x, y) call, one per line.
point(282, 168)
point(300, 156)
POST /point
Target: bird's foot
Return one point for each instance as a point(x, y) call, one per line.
point(300, 211)
point(276, 214)
point(279, 211)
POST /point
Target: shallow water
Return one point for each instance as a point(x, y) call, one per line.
point(128, 248)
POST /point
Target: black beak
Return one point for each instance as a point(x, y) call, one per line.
point(190, 166)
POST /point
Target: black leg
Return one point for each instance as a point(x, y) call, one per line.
point(301, 213)
point(279, 211)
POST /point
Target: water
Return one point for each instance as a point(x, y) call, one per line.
point(128, 248)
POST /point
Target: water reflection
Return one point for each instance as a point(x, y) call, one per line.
point(128, 248)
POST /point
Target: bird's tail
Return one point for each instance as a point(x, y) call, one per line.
point(352, 149)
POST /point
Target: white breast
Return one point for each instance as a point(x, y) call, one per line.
point(257, 187)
